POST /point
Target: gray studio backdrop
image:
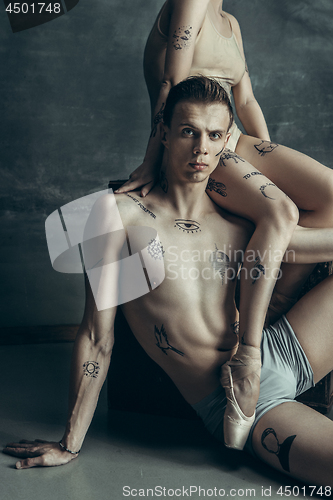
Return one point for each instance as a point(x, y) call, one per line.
point(75, 113)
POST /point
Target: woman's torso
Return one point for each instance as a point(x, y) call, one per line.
point(214, 55)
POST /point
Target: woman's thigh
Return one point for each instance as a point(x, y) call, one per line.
point(307, 182)
point(297, 441)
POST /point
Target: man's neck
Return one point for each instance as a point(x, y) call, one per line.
point(188, 199)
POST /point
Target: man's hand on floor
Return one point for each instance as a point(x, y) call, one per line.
point(38, 453)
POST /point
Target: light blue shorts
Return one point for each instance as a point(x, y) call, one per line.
point(285, 374)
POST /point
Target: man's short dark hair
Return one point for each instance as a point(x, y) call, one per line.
point(196, 89)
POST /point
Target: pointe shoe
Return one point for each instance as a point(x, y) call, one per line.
point(236, 424)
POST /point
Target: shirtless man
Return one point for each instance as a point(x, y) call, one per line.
point(187, 324)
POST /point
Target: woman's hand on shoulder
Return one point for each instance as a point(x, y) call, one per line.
point(145, 176)
point(38, 453)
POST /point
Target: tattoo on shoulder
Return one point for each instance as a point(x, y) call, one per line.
point(91, 369)
point(235, 327)
point(257, 270)
point(187, 225)
point(164, 181)
point(182, 37)
point(163, 343)
point(155, 249)
point(229, 155)
point(140, 205)
point(263, 187)
point(248, 176)
point(265, 147)
point(157, 119)
point(218, 187)
point(220, 262)
point(271, 443)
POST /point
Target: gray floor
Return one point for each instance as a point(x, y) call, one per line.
point(121, 449)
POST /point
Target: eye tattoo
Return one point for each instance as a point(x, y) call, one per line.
point(163, 343)
point(155, 249)
point(265, 147)
point(270, 442)
point(91, 369)
point(262, 189)
point(257, 270)
point(218, 187)
point(229, 155)
point(187, 226)
point(220, 262)
point(182, 37)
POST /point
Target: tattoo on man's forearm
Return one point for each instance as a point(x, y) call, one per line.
point(248, 176)
point(263, 187)
point(257, 270)
point(181, 38)
point(91, 369)
point(220, 262)
point(235, 327)
point(229, 155)
point(218, 187)
point(187, 225)
point(163, 343)
point(158, 118)
point(270, 442)
point(142, 206)
point(164, 181)
point(265, 147)
point(155, 249)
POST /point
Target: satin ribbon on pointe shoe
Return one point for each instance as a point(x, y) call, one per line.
point(237, 425)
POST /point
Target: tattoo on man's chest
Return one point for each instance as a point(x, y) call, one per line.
point(187, 226)
point(163, 343)
point(220, 262)
point(218, 187)
point(155, 249)
point(140, 205)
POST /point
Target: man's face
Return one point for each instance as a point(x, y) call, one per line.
point(195, 139)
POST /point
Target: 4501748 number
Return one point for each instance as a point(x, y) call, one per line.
point(38, 8)
point(295, 491)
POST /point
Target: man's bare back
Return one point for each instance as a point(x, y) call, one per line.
point(188, 324)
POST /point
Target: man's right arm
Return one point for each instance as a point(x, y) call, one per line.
point(102, 248)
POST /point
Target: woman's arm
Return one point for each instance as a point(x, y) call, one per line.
point(248, 193)
point(185, 22)
point(247, 107)
point(310, 246)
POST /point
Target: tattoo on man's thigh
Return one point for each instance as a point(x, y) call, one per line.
point(163, 343)
point(265, 147)
point(271, 443)
point(229, 155)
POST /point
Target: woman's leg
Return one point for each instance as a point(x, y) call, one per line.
point(308, 455)
point(310, 185)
